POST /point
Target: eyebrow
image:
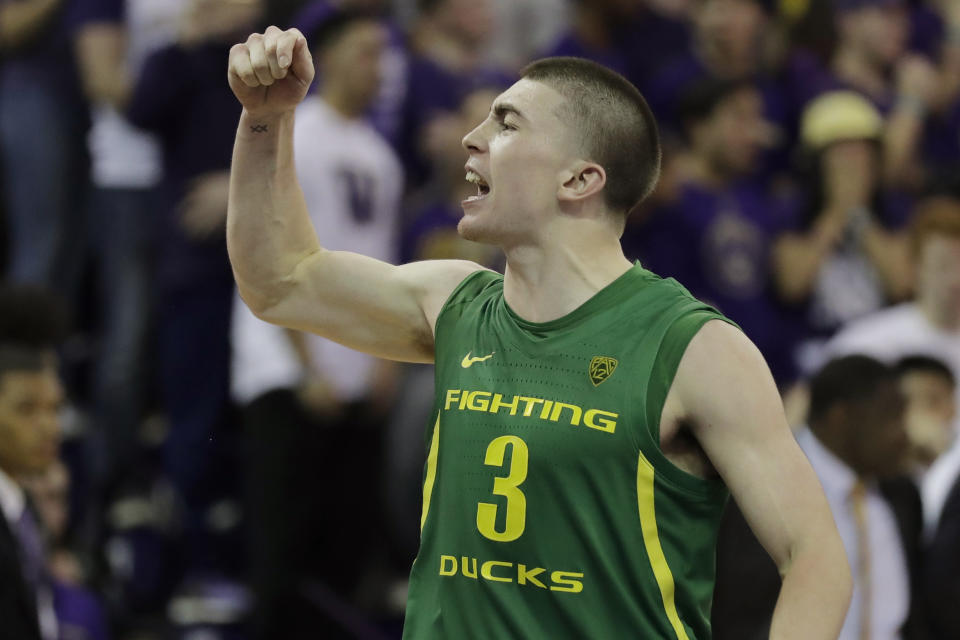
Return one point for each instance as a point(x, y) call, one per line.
point(501, 109)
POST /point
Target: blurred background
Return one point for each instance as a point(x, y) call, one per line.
point(205, 476)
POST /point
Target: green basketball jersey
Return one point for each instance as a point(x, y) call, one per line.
point(549, 510)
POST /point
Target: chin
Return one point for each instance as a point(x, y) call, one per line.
point(471, 228)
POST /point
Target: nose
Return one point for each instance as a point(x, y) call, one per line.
point(473, 142)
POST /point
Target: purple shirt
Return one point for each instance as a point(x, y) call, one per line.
point(717, 244)
point(184, 98)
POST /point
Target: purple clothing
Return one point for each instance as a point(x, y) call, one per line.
point(436, 223)
point(717, 244)
point(93, 11)
point(639, 47)
point(182, 96)
point(431, 91)
point(80, 615)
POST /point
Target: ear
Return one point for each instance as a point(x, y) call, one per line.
point(584, 180)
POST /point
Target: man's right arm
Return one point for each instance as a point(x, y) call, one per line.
point(282, 272)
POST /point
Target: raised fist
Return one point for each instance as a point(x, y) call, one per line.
point(271, 72)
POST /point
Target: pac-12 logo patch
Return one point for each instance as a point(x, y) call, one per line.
point(601, 368)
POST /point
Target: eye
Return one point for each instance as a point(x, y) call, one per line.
point(505, 126)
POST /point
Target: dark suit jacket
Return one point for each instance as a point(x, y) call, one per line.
point(748, 582)
point(942, 574)
point(18, 608)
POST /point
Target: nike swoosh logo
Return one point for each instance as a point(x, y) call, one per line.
point(468, 361)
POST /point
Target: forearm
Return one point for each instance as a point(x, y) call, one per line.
point(889, 253)
point(815, 594)
point(268, 227)
point(901, 140)
point(19, 21)
point(101, 57)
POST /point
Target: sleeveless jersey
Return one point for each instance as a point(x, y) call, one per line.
point(549, 510)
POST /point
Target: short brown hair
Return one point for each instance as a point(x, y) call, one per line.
point(618, 129)
point(938, 215)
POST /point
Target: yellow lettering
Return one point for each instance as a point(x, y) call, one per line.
point(463, 561)
point(479, 401)
point(607, 424)
point(545, 412)
point(464, 399)
point(486, 570)
point(444, 561)
point(531, 403)
point(523, 575)
point(498, 402)
point(574, 409)
point(452, 395)
point(566, 581)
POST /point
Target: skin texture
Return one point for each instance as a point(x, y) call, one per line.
point(546, 210)
point(30, 404)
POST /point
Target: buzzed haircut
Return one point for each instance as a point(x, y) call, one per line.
point(617, 127)
point(926, 364)
point(33, 322)
point(845, 381)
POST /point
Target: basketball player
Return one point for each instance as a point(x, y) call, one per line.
point(589, 416)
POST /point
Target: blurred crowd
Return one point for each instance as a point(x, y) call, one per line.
point(172, 467)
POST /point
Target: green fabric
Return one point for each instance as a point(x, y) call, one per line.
point(558, 552)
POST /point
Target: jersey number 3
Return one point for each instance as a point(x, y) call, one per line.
point(509, 488)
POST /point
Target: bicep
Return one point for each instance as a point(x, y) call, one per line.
point(369, 305)
point(728, 394)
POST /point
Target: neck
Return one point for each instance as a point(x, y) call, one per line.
point(340, 101)
point(943, 319)
point(854, 67)
point(547, 281)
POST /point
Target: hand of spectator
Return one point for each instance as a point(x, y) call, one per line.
point(203, 210)
point(271, 72)
point(917, 79)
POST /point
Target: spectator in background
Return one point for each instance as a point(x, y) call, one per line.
point(181, 96)
point(43, 119)
point(942, 580)
point(31, 325)
point(80, 615)
point(431, 231)
point(729, 43)
point(447, 42)
point(928, 385)
point(719, 220)
point(871, 58)
point(312, 408)
point(845, 257)
point(929, 325)
point(112, 40)
point(857, 445)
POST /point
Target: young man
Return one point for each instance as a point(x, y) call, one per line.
point(587, 410)
point(30, 399)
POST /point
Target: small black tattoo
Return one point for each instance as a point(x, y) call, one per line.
point(258, 128)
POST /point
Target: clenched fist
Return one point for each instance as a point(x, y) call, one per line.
point(271, 72)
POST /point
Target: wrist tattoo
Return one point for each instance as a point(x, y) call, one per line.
point(258, 128)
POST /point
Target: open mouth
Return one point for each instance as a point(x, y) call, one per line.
point(483, 189)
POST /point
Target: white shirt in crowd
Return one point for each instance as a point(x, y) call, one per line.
point(895, 333)
point(889, 578)
point(12, 503)
point(352, 183)
point(121, 155)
